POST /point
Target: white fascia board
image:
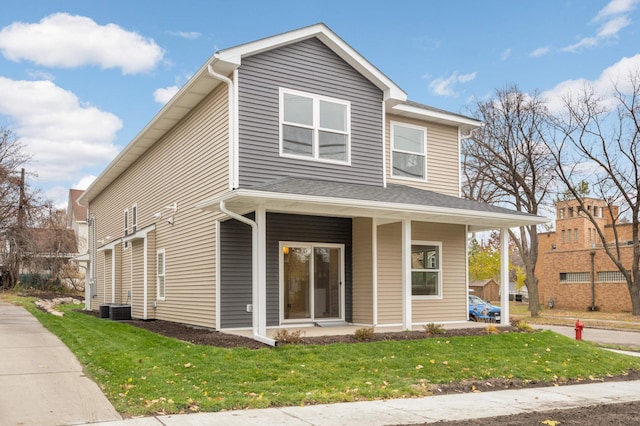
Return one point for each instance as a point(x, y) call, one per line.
point(110, 246)
point(401, 209)
point(442, 116)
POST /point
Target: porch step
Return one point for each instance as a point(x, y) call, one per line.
point(332, 324)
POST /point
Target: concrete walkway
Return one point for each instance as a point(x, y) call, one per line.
point(598, 335)
point(41, 381)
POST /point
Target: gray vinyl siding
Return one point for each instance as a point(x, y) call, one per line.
point(235, 274)
point(235, 261)
point(311, 67)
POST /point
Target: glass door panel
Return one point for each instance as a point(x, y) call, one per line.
point(326, 282)
point(297, 282)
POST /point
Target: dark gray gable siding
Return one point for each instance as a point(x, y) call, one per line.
point(235, 261)
point(307, 66)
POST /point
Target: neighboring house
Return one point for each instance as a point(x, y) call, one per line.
point(565, 260)
point(289, 183)
point(485, 289)
point(77, 219)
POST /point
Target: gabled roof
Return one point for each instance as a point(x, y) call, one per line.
point(226, 61)
point(393, 203)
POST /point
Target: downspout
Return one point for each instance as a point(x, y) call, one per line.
point(233, 184)
point(254, 274)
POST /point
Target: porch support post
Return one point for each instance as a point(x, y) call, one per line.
point(504, 275)
point(374, 272)
point(406, 274)
point(113, 275)
point(145, 277)
point(261, 301)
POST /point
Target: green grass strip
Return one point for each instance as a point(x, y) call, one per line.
point(143, 373)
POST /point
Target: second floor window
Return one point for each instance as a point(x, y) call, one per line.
point(126, 222)
point(314, 126)
point(408, 151)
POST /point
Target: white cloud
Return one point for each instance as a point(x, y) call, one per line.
point(505, 55)
point(69, 41)
point(614, 16)
point(84, 182)
point(540, 51)
point(444, 86)
point(63, 135)
point(615, 7)
point(164, 94)
point(189, 35)
point(612, 27)
point(615, 75)
point(40, 75)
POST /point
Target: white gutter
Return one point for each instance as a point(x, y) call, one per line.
point(254, 275)
point(233, 182)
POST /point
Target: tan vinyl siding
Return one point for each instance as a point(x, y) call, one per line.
point(136, 248)
point(390, 274)
point(187, 165)
point(443, 157)
point(125, 278)
point(362, 256)
point(452, 306)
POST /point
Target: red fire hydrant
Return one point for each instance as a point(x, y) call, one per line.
point(579, 327)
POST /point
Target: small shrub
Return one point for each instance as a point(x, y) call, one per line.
point(289, 337)
point(521, 326)
point(432, 329)
point(491, 329)
point(365, 333)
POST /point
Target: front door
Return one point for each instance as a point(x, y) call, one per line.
point(311, 281)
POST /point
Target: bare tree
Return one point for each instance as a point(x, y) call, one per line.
point(506, 162)
point(598, 141)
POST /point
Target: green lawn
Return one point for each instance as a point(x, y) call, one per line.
point(144, 373)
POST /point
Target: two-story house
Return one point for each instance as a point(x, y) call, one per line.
point(573, 268)
point(289, 182)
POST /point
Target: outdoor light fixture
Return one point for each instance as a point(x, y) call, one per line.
point(285, 250)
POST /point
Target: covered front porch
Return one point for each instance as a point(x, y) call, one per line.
point(409, 249)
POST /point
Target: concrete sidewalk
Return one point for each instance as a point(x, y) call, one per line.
point(41, 381)
point(407, 411)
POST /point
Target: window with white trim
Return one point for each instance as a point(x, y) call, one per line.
point(426, 269)
point(134, 218)
point(161, 268)
point(315, 127)
point(408, 151)
point(126, 222)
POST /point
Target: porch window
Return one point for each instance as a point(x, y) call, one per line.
point(426, 272)
point(126, 226)
point(160, 266)
point(408, 151)
point(314, 126)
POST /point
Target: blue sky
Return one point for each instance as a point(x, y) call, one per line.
point(79, 79)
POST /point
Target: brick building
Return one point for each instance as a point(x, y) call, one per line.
point(567, 257)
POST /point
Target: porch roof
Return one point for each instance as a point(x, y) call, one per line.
point(390, 204)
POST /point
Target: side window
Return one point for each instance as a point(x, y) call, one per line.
point(126, 222)
point(134, 218)
point(408, 151)
point(160, 266)
point(426, 269)
point(314, 127)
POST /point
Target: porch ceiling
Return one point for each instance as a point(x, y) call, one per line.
point(387, 205)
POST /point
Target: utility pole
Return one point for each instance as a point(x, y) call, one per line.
point(21, 202)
